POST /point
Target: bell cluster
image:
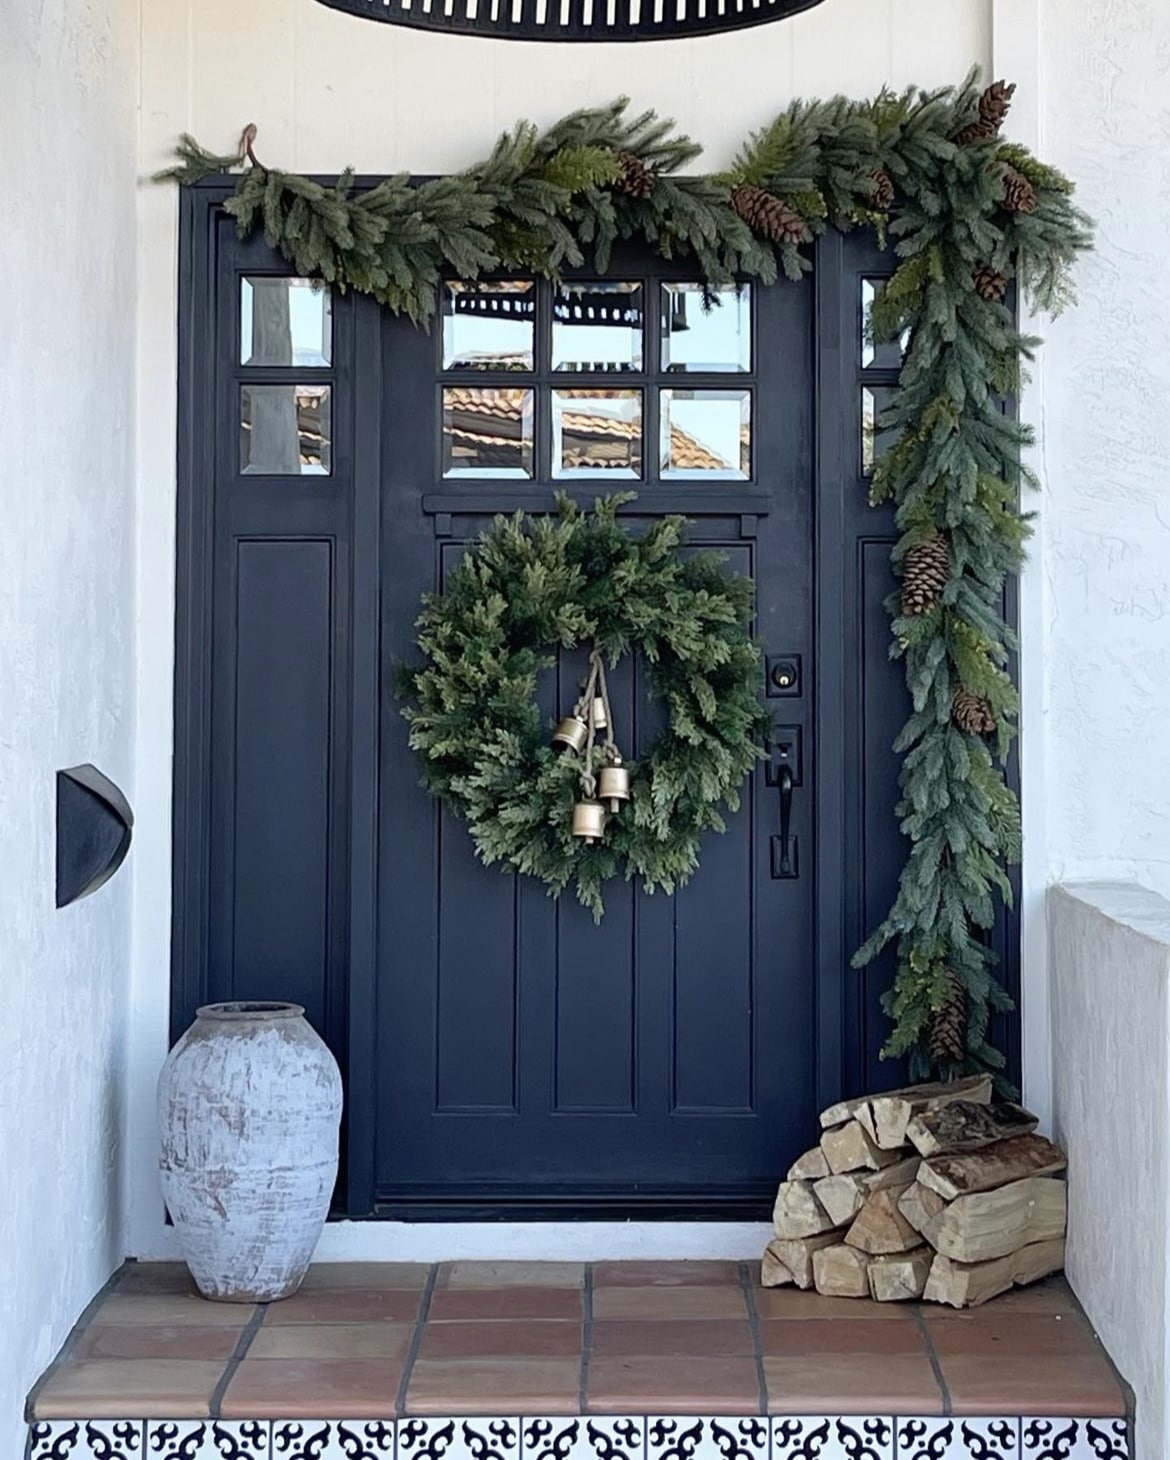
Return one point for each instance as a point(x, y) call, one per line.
point(601, 797)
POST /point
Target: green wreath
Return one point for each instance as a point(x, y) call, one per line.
point(530, 586)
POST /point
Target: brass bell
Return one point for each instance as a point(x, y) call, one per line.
point(571, 734)
point(589, 820)
point(599, 720)
point(614, 786)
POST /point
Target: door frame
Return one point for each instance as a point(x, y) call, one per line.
point(846, 1007)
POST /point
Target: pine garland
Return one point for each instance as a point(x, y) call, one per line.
point(531, 585)
point(966, 214)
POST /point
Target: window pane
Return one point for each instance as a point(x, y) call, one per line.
point(875, 441)
point(597, 431)
point(285, 322)
point(706, 433)
point(285, 430)
point(489, 326)
point(887, 356)
point(597, 326)
point(487, 433)
point(706, 329)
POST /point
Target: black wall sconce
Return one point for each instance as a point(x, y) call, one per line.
point(94, 826)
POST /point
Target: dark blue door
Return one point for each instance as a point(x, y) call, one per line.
point(502, 1054)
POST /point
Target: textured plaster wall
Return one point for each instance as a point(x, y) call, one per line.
point(327, 89)
point(1106, 449)
point(67, 111)
point(1111, 1028)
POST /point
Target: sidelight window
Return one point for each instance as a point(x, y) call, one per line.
point(285, 378)
point(604, 380)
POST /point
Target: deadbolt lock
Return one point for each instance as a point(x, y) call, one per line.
point(782, 672)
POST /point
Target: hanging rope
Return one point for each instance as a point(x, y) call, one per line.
point(595, 686)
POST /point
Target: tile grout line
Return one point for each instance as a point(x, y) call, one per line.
point(424, 1313)
point(243, 1344)
point(935, 1364)
point(749, 1296)
point(76, 1333)
point(586, 1337)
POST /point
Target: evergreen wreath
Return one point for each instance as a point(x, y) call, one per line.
point(967, 216)
point(532, 585)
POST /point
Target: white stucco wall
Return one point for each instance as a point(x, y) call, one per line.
point(1111, 1026)
point(67, 101)
point(1106, 449)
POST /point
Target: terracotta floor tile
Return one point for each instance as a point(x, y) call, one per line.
point(1011, 1334)
point(673, 1386)
point(313, 1389)
point(497, 1338)
point(151, 1341)
point(494, 1386)
point(114, 1388)
point(345, 1305)
point(714, 1301)
point(172, 1310)
point(858, 1336)
point(1050, 1295)
point(326, 1276)
point(511, 1274)
point(1052, 1384)
point(155, 1277)
point(663, 1274)
point(830, 1383)
point(664, 1338)
point(792, 1303)
point(514, 1302)
point(332, 1341)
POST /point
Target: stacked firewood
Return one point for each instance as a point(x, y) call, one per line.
point(934, 1192)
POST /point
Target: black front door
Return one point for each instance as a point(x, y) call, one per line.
point(502, 1054)
point(528, 1058)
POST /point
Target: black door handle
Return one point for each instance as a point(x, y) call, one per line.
point(784, 846)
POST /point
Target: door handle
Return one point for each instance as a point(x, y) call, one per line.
point(784, 864)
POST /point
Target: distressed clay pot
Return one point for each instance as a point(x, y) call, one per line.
point(249, 1103)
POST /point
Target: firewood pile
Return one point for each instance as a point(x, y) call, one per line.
point(935, 1192)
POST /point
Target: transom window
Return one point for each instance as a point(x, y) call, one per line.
point(622, 380)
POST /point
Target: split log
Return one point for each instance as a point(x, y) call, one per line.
point(797, 1212)
point(795, 1255)
point(897, 1278)
point(848, 1148)
point(921, 1206)
point(880, 1227)
point(966, 1125)
point(900, 1174)
point(965, 1285)
point(890, 1115)
point(809, 1167)
point(841, 1196)
point(841, 1272)
point(996, 1223)
point(993, 1166)
point(774, 1271)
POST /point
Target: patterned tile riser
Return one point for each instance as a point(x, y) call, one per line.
point(674, 1437)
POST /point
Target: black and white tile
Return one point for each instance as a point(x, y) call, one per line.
point(86, 1439)
point(208, 1439)
point(958, 1438)
point(584, 1437)
point(687, 1437)
point(490, 1438)
point(1074, 1439)
point(833, 1437)
point(340, 1439)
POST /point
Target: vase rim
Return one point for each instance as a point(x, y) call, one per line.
point(251, 1009)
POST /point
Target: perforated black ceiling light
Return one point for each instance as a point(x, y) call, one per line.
point(576, 20)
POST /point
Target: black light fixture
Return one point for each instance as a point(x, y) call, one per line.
point(575, 20)
point(94, 826)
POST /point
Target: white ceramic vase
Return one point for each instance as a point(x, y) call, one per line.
point(249, 1105)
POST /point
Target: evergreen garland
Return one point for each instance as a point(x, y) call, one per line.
point(966, 214)
point(531, 586)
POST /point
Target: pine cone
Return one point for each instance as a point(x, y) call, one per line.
point(990, 284)
point(1019, 196)
point(926, 570)
point(882, 197)
point(634, 177)
point(947, 1032)
point(994, 105)
point(972, 713)
point(768, 215)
